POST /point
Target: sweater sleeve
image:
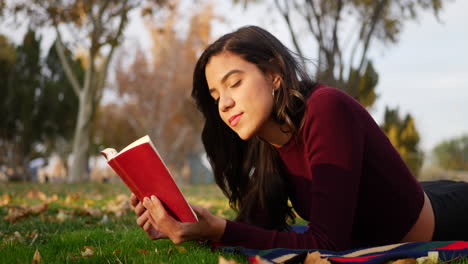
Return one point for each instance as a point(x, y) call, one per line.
point(333, 141)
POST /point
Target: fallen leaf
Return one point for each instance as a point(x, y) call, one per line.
point(17, 235)
point(5, 199)
point(37, 257)
point(405, 261)
point(119, 206)
point(315, 258)
point(88, 251)
point(89, 211)
point(39, 208)
point(143, 251)
point(431, 258)
point(32, 194)
point(61, 216)
point(16, 213)
point(53, 198)
point(181, 249)
point(222, 260)
point(71, 198)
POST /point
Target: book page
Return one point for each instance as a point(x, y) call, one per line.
point(136, 143)
point(109, 153)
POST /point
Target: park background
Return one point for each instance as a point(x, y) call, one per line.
point(78, 76)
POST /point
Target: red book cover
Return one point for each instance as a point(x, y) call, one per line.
point(144, 172)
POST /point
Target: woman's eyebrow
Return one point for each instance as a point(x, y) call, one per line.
point(225, 77)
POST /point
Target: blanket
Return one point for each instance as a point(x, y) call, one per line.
point(447, 251)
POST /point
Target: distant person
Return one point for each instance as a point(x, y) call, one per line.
point(34, 166)
point(273, 134)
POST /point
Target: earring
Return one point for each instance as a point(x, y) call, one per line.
point(273, 93)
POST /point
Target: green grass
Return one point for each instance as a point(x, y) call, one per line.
point(117, 240)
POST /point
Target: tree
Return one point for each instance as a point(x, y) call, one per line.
point(7, 62)
point(404, 137)
point(452, 154)
point(59, 103)
point(37, 103)
point(345, 31)
point(95, 26)
point(157, 92)
point(19, 90)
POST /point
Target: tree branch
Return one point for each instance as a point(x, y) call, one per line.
point(336, 45)
point(103, 73)
point(379, 8)
point(285, 14)
point(66, 65)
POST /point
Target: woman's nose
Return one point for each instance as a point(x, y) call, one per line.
point(226, 103)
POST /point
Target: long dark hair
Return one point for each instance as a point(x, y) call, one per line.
point(249, 172)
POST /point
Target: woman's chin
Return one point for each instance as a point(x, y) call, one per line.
point(244, 136)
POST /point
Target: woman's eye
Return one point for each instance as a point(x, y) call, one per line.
point(236, 83)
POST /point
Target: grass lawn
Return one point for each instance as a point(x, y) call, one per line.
point(92, 223)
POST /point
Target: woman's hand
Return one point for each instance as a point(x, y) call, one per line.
point(143, 219)
point(208, 227)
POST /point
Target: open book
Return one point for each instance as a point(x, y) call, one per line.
point(144, 172)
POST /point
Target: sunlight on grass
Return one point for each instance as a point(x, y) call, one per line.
point(92, 222)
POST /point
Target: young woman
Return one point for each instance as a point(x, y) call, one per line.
point(273, 135)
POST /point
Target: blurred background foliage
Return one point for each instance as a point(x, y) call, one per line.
point(51, 102)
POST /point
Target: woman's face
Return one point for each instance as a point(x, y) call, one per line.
point(243, 93)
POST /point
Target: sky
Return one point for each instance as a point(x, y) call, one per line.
point(424, 74)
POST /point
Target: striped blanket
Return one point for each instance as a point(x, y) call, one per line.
point(447, 250)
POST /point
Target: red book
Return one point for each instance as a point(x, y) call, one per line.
point(144, 172)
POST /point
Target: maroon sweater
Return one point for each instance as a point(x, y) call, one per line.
point(345, 178)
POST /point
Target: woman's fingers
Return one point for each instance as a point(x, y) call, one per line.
point(147, 226)
point(142, 220)
point(139, 209)
point(133, 200)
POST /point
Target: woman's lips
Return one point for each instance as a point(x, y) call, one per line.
point(235, 119)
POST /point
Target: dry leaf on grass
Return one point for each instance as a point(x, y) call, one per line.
point(432, 258)
point(120, 206)
point(5, 199)
point(39, 208)
point(222, 260)
point(16, 213)
point(89, 211)
point(405, 261)
point(181, 249)
point(315, 258)
point(61, 215)
point(143, 251)
point(88, 251)
point(71, 198)
point(37, 257)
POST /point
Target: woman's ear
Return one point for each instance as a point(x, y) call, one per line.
point(276, 81)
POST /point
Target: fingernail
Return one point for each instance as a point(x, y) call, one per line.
point(153, 197)
point(146, 199)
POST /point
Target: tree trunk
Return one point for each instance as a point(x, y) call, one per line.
point(79, 167)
